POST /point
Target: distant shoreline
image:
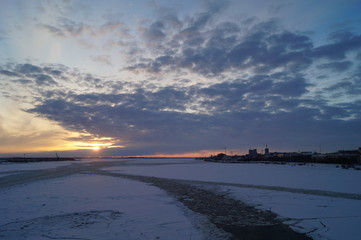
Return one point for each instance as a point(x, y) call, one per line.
point(54, 159)
point(37, 159)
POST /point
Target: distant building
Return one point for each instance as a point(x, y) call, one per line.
point(252, 152)
point(220, 156)
point(266, 150)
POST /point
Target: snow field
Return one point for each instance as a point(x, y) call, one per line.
point(88, 206)
point(325, 177)
point(321, 217)
point(93, 207)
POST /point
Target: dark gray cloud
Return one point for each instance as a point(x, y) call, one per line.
point(225, 47)
point(42, 79)
point(147, 130)
point(342, 43)
point(48, 76)
point(336, 66)
point(348, 87)
point(9, 73)
point(262, 91)
point(155, 32)
point(53, 72)
point(291, 86)
point(23, 81)
point(212, 8)
point(27, 69)
point(237, 114)
point(208, 46)
point(270, 103)
point(72, 28)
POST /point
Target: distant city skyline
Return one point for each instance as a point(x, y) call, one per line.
point(178, 78)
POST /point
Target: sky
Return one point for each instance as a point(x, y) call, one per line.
point(154, 77)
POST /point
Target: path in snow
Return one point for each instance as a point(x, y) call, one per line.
point(231, 215)
point(92, 167)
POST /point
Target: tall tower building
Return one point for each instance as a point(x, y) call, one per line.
point(266, 150)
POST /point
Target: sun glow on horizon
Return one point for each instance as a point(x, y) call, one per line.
point(96, 148)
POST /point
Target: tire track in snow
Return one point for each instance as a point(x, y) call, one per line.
point(231, 215)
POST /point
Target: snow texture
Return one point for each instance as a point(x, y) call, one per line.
point(93, 207)
point(322, 217)
point(90, 206)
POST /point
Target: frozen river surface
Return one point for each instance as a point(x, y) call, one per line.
point(152, 199)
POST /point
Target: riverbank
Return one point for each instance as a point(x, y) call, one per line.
point(39, 159)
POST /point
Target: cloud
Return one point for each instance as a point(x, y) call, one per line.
point(225, 48)
point(265, 93)
point(211, 46)
point(53, 72)
point(23, 81)
point(204, 81)
point(27, 69)
point(28, 83)
point(9, 73)
point(278, 7)
point(145, 129)
point(103, 59)
point(212, 9)
point(72, 28)
point(238, 113)
point(235, 113)
point(28, 73)
point(343, 43)
point(3, 34)
point(43, 79)
point(107, 35)
point(56, 31)
point(294, 86)
point(348, 87)
point(66, 27)
point(154, 32)
point(336, 66)
point(113, 27)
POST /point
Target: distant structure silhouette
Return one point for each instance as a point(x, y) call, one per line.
point(266, 150)
point(252, 152)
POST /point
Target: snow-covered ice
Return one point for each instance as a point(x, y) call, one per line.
point(93, 207)
point(8, 167)
point(321, 217)
point(90, 206)
point(311, 176)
